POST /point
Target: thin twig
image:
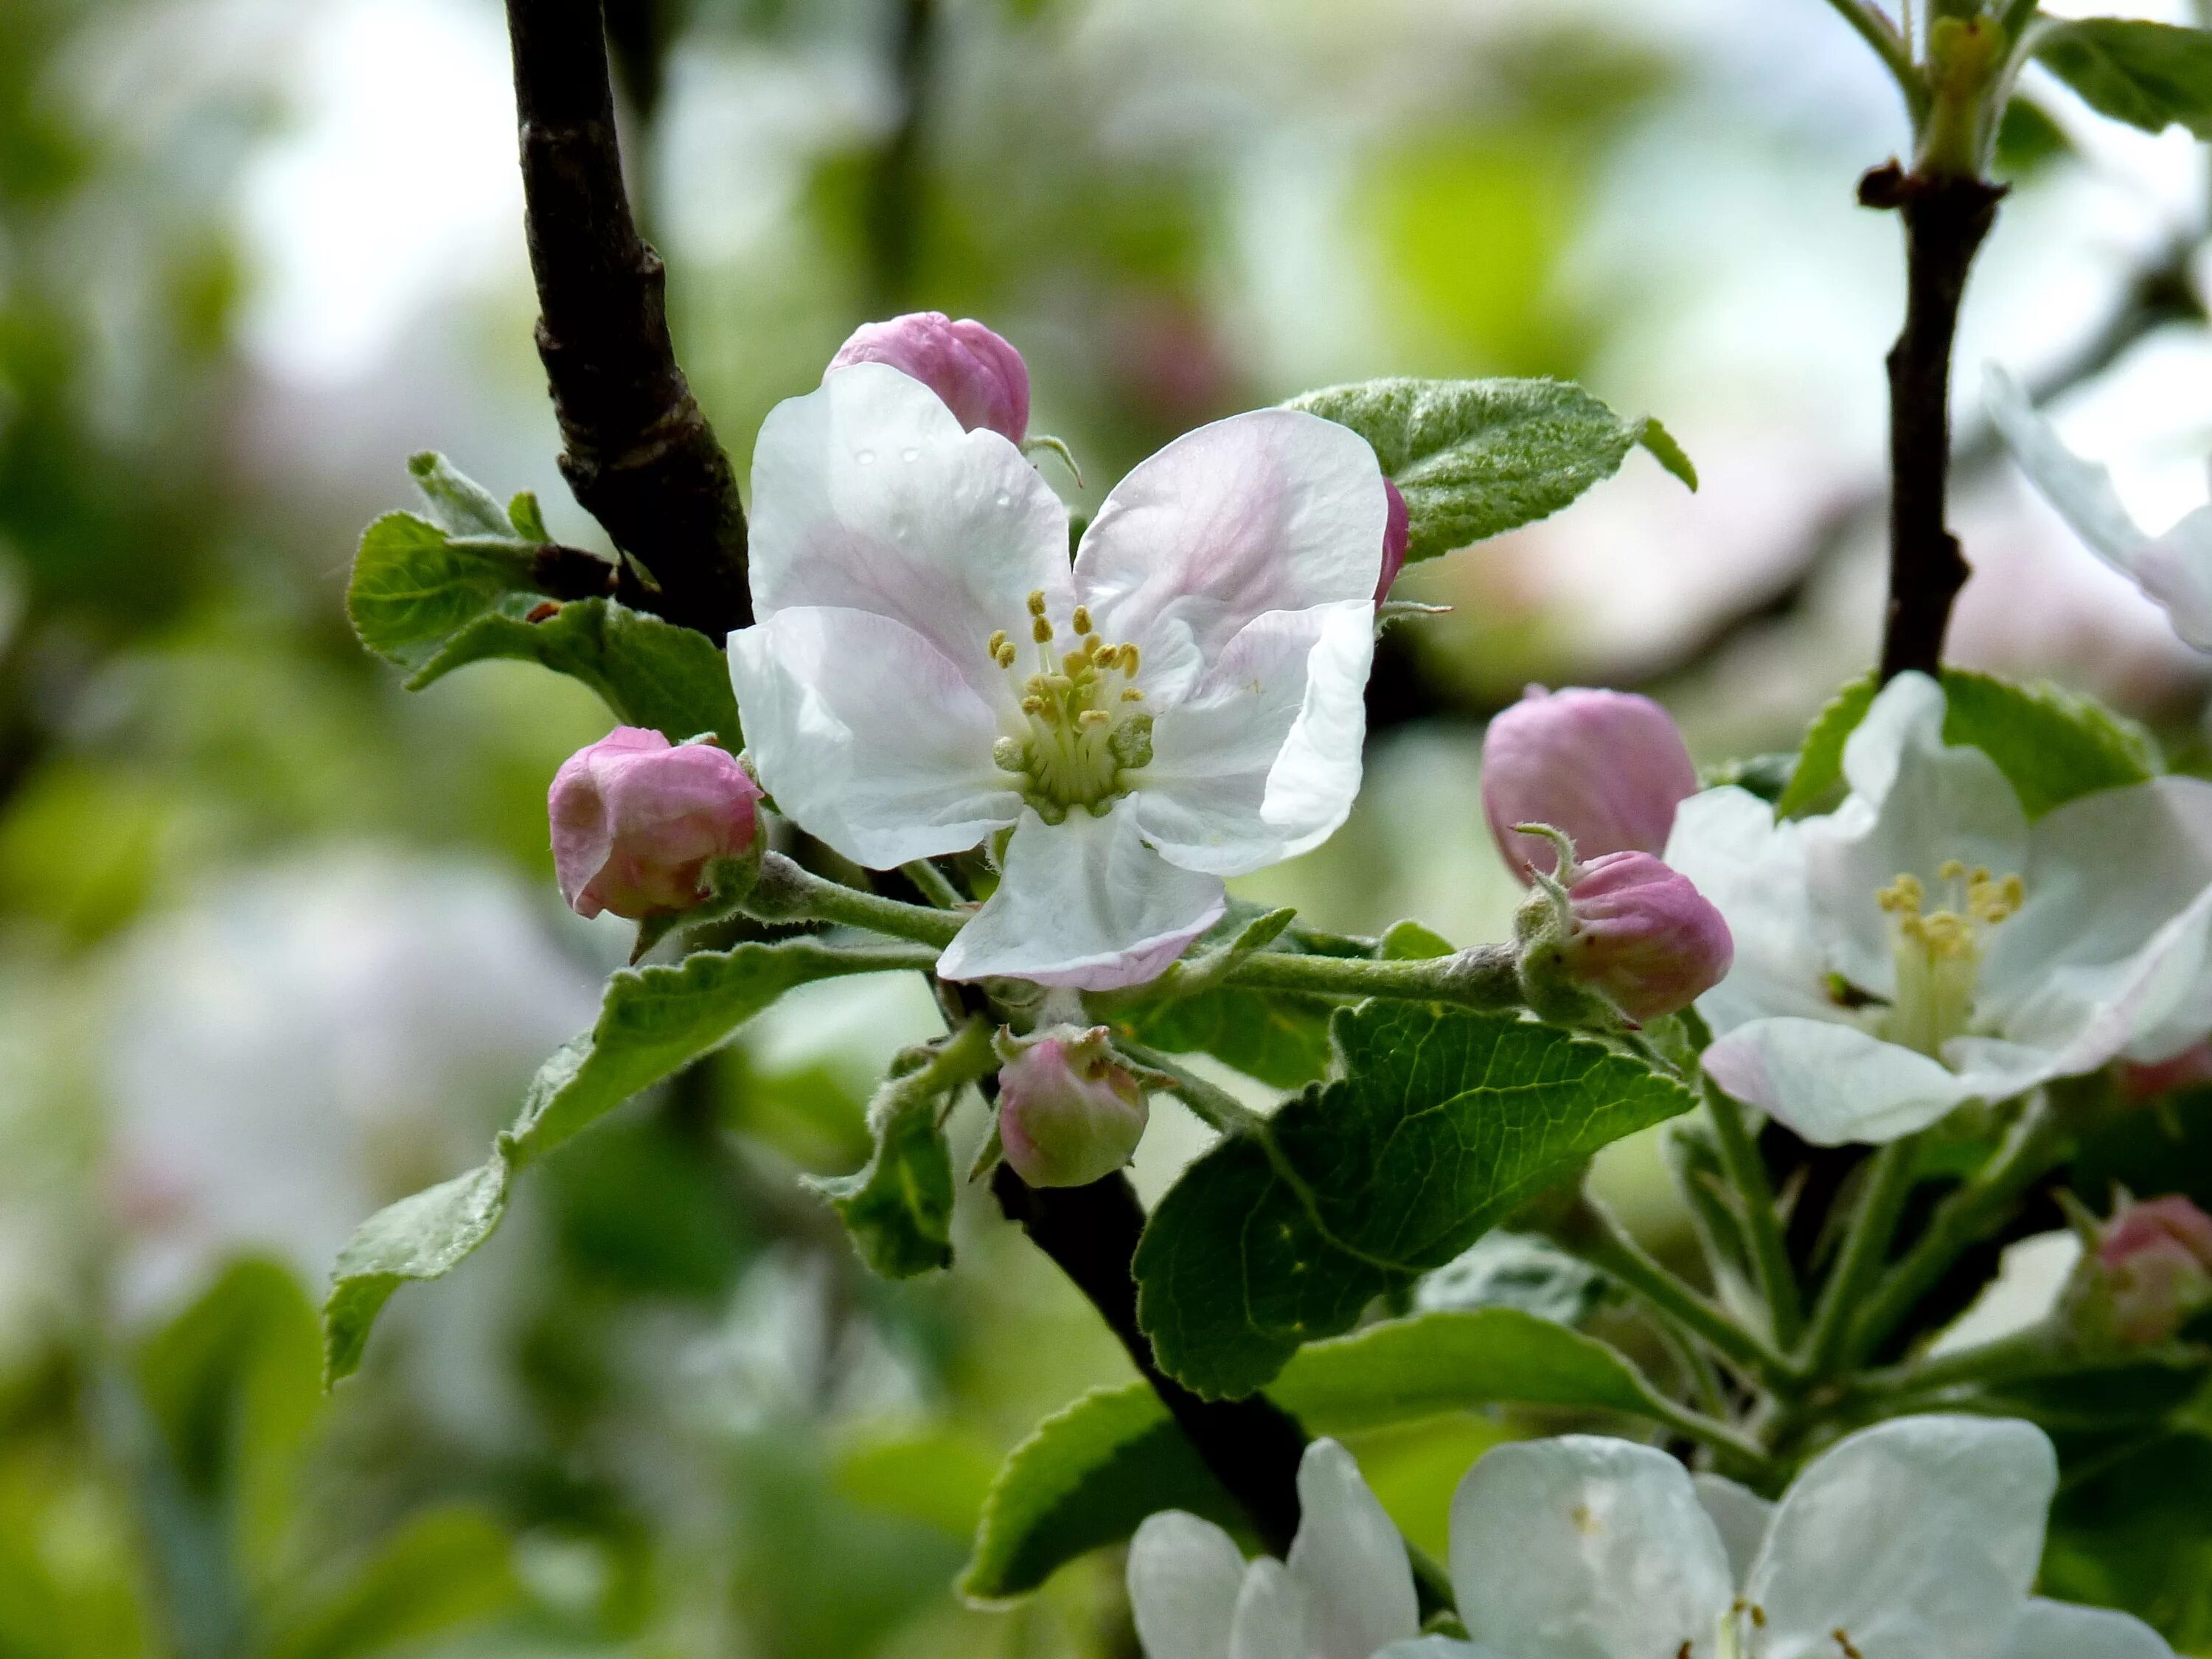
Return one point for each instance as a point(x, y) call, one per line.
point(636, 449)
point(1770, 1255)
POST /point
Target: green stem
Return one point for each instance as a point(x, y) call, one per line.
point(1737, 1455)
point(2036, 1143)
point(1866, 1249)
point(951, 1064)
point(786, 893)
point(1896, 54)
point(1480, 978)
point(1769, 1255)
point(935, 886)
point(1215, 1107)
point(1591, 1233)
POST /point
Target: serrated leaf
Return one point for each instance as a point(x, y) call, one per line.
point(898, 1206)
point(1088, 1475)
point(652, 1021)
point(414, 586)
point(1409, 941)
point(2151, 76)
point(458, 504)
point(1443, 1122)
point(1280, 1037)
point(2053, 745)
point(529, 521)
point(1475, 458)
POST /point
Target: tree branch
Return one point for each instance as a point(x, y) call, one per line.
point(1946, 217)
point(636, 449)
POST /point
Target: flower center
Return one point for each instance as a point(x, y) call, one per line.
point(1084, 728)
point(1939, 953)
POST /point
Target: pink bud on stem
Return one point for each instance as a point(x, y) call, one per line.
point(2151, 1273)
point(1608, 767)
point(636, 820)
point(1069, 1115)
point(981, 378)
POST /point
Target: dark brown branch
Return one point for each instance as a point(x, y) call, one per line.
point(636, 449)
point(1946, 217)
point(1251, 1446)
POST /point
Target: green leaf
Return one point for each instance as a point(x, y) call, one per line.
point(1443, 1123)
point(1476, 458)
point(430, 595)
point(1280, 1037)
point(898, 1206)
point(2151, 76)
point(1088, 1475)
point(441, 1569)
point(2051, 745)
point(652, 1022)
point(1409, 941)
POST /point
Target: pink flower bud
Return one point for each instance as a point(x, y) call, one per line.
point(981, 378)
point(2191, 1067)
point(1068, 1115)
point(2154, 1263)
point(1608, 767)
point(1644, 935)
point(635, 822)
point(1397, 533)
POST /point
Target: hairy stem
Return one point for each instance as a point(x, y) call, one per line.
point(1888, 1180)
point(1769, 1255)
point(1946, 217)
point(1480, 978)
point(785, 892)
point(635, 448)
point(1889, 44)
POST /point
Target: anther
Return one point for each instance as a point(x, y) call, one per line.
point(1073, 663)
point(1949, 870)
point(1130, 694)
point(1082, 619)
point(998, 641)
point(1036, 602)
point(1844, 1642)
point(1129, 660)
point(1093, 718)
point(1005, 654)
point(1032, 705)
point(1010, 755)
point(1040, 631)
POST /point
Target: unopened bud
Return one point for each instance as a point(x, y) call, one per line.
point(2151, 1273)
point(1397, 535)
point(981, 378)
point(1625, 928)
point(2191, 1067)
point(1069, 1115)
point(636, 821)
point(1608, 767)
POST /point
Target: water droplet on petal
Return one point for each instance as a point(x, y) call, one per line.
point(864, 456)
point(910, 454)
point(1005, 499)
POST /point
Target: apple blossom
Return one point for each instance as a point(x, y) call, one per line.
point(636, 820)
point(980, 377)
point(1608, 767)
point(1345, 1592)
point(1397, 536)
point(1642, 935)
point(1924, 946)
point(1068, 1115)
point(2174, 570)
point(1184, 704)
point(2151, 1273)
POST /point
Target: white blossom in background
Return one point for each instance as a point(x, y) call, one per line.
point(1924, 945)
point(308, 1043)
point(1185, 704)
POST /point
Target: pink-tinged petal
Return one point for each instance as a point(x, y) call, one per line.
point(980, 377)
point(1752, 870)
point(1644, 936)
point(1085, 904)
point(1397, 536)
point(1833, 1083)
point(1276, 510)
point(868, 496)
point(635, 822)
point(1069, 1115)
point(867, 737)
point(1260, 760)
point(1608, 767)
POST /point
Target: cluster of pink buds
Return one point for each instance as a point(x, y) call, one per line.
point(1601, 773)
point(637, 821)
point(2148, 1274)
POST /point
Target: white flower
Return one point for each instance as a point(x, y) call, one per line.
point(1916, 1539)
point(1185, 704)
point(2174, 570)
point(1925, 945)
point(1347, 1591)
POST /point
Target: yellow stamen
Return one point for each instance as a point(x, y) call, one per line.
point(1082, 619)
point(1036, 602)
point(1040, 631)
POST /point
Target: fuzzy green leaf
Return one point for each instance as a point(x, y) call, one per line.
point(1442, 1123)
point(2051, 745)
point(652, 1021)
point(2151, 76)
point(1089, 1475)
point(898, 1206)
point(1475, 458)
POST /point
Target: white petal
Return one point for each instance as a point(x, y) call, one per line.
point(867, 736)
point(1260, 760)
point(1276, 510)
point(1917, 1538)
point(1085, 904)
point(868, 495)
point(2059, 1630)
point(1752, 870)
point(2100, 955)
point(1833, 1083)
point(2174, 570)
point(1917, 803)
point(1583, 1547)
point(2032, 1273)
point(1271, 1615)
point(1739, 1515)
point(1439, 1647)
point(1349, 1559)
point(1184, 1576)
